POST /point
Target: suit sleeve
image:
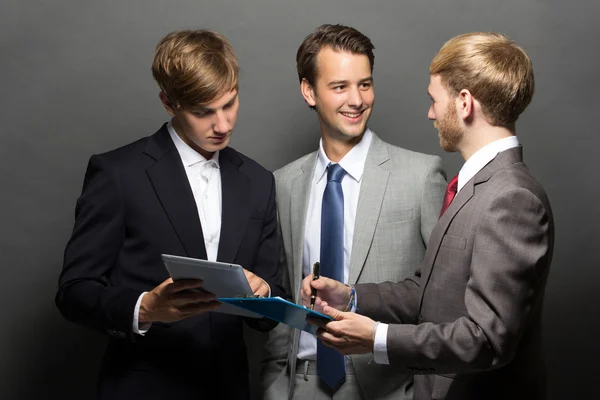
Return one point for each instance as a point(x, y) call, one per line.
point(512, 246)
point(85, 293)
point(390, 302)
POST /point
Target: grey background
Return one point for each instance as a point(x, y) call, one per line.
point(76, 81)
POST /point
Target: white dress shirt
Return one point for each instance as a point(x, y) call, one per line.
point(470, 168)
point(205, 180)
point(354, 165)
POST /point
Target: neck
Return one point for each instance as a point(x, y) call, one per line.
point(336, 147)
point(476, 139)
point(179, 131)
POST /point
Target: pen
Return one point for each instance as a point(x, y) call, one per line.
point(313, 291)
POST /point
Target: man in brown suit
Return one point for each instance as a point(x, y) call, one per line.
point(468, 323)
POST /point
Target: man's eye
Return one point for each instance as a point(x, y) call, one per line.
point(365, 85)
point(339, 88)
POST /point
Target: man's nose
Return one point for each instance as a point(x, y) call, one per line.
point(221, 123)
point(355, 99)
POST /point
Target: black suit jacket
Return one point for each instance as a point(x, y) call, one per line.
point(137, 203)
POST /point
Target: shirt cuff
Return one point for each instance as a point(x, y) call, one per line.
point(140, 330)
point(353, 307)
point(380, 354)
point(269, 286)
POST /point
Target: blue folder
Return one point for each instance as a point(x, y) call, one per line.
point(280, 310)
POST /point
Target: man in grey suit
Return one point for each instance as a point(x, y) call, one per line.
point(469, 322)
point(390, 199)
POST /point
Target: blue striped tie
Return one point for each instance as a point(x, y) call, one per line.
point(331, 366)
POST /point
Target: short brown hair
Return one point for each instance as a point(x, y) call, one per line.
point(496, 71)
point(339, 38)
point(194, 67)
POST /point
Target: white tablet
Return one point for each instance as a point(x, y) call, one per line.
point(222, 279)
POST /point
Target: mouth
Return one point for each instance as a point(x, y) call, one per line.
point(218, 139)
point(353, 116)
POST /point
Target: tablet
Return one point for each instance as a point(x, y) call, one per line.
point(222, 279)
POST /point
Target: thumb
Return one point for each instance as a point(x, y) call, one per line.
point(319, 284)
point(333, 313)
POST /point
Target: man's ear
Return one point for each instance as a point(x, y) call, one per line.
point(465, 106)
point(167, 103)
point(308, 92)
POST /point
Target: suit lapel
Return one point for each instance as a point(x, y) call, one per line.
point(372, 190)
point(171, 185)
point(300, 194)
point(503, 159)
point(235, 185)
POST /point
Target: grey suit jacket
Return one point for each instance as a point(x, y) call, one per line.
point(399, 203)
point(472, 313)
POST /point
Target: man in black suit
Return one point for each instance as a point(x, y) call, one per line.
point(180, 191)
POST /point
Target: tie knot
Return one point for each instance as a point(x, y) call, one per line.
point(449, 195)
point(453, 185)
point(335, 173)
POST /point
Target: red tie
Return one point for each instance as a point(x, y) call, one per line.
point(450, 193)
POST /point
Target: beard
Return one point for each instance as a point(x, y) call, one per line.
point(449, 130)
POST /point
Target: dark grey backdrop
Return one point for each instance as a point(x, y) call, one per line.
point(76, 81)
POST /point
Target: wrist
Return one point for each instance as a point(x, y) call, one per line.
point(351, 296)
point(145, 315)
point(375, 325)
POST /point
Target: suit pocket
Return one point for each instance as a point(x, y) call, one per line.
point(397, 215)
point(454, 242)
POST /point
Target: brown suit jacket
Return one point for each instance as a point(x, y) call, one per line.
point(468, 324)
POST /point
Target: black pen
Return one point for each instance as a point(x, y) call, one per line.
point(313, 291)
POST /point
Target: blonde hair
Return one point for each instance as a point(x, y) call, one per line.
point(194, 67)
point(496, 71)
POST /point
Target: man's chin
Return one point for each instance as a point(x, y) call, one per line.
point(447, 147)
point(355, 131)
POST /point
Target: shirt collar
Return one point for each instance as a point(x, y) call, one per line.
point(482, 157)
point(353, 162)
point(189, 156)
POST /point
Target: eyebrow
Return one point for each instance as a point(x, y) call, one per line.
point(208, 109)
point(345, 82)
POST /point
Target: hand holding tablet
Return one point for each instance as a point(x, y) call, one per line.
point(221, 279)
